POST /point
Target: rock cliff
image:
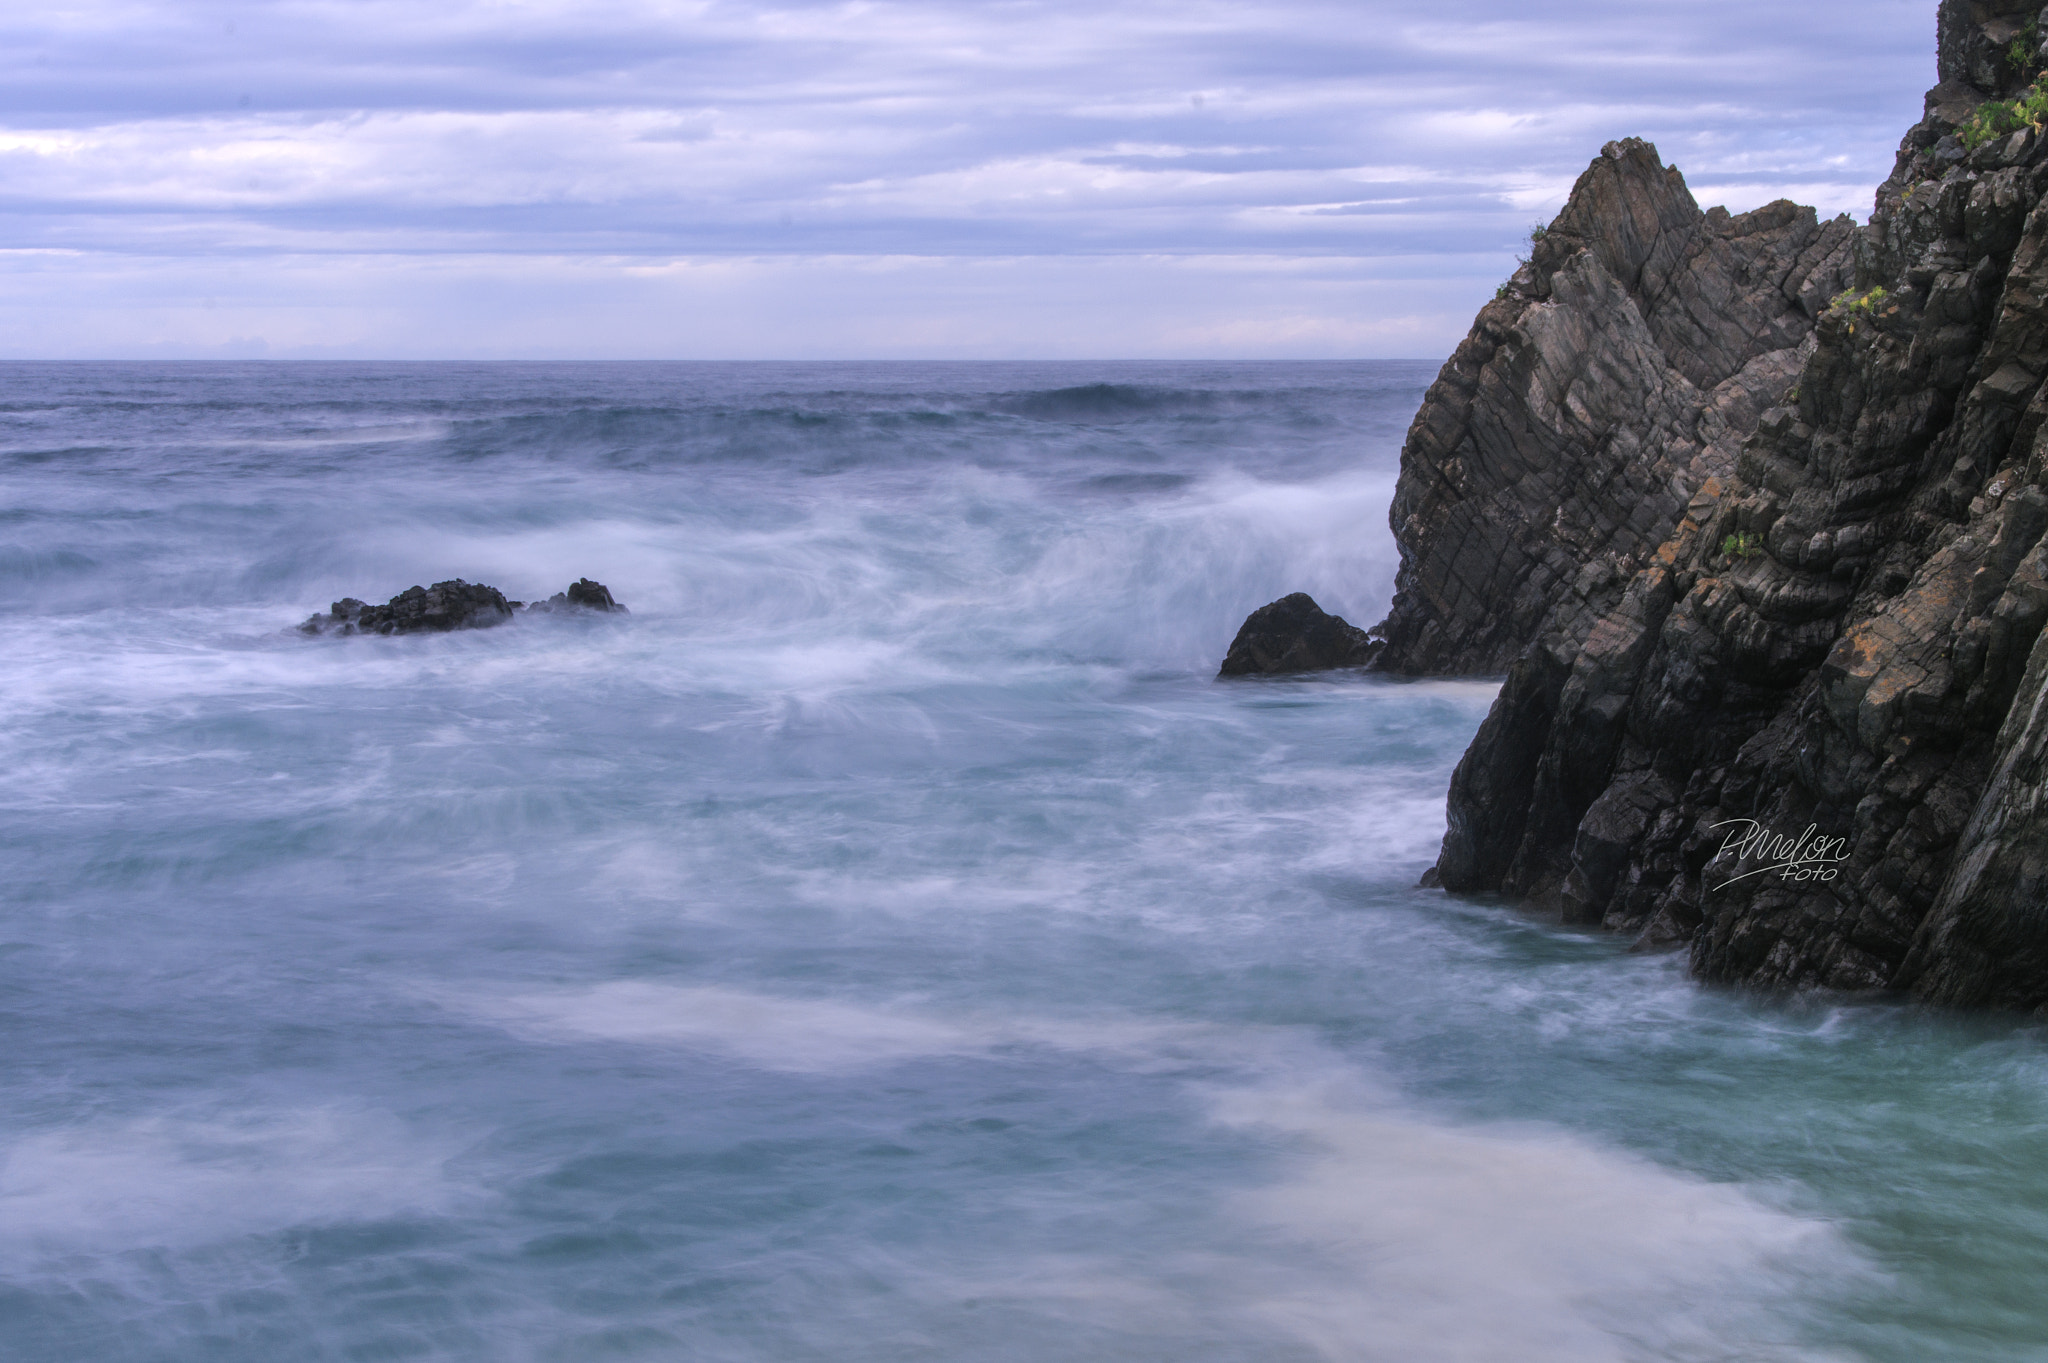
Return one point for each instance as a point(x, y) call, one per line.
point(1616, 374)
point(1751, 510)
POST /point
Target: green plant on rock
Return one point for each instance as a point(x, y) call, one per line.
point(1999, 117)
point(1741, 545)
point(2021, 54)
point(1855, 306)
point(1539, 232)
point(1501, 292)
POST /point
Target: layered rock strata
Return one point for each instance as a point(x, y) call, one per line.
point(1616, 374)
point(1802, 726)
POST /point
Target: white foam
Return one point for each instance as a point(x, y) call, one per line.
point(1429, 1242)
point(810, 1036)
point(773, 1033)
point(1393, 1239)
point(1168, 584)
point(182, 1181)
point(1386, 1236)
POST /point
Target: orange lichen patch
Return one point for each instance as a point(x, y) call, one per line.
point(1856, 653)
point(1889, 661)
point(1704, 500)
point(1884, 699)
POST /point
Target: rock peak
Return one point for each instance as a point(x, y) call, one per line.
point(1615, 375)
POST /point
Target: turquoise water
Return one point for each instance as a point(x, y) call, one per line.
point(887, 942)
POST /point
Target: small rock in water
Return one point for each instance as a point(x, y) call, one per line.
point(583, 594)
point(444, 606)
point(450, 605)
point(1294, 634)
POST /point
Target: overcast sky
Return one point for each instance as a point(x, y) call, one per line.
point(931, 178)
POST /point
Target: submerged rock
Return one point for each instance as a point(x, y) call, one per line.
point(450, 605)
point(1294, 634)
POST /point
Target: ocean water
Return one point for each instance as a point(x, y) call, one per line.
point(886, 943)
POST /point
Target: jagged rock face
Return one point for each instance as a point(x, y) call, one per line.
point(1974, 40)
point(1835, 642)
point(1987, 940)
point(1294, 634)
point(1617, 374)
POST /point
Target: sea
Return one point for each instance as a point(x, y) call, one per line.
point(889, 941)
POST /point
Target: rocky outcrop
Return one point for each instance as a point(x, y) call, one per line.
point(1617, 374)
point(1294, 634)
point(1806, 733)
point(417, 610)
point(450, 605)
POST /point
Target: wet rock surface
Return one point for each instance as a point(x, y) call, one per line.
point(1294, 634)
point(1803, 732)
point(450, 605)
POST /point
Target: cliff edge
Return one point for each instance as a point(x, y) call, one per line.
point(1751, 510)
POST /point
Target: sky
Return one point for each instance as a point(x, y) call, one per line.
point(1009, 179)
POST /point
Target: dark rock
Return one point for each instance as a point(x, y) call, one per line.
point(448, 606)
point(583, 595)
point(344, 612)
point(1294, 634)
point(1986, 940)
point(1594, 404)
point(1815, 615)
point(444, 606)
point(1974, 42)
point(592, 595)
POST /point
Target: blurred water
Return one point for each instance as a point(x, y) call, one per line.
point(888, 942)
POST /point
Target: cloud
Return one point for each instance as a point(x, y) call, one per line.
point(372, 130)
